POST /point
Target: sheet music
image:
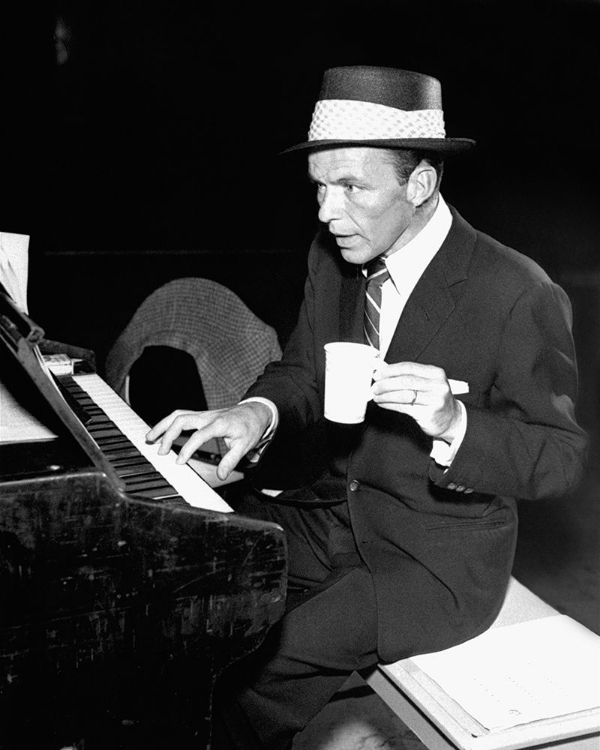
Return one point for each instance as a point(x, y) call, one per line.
point(521, 673)
point(17, 425)
point(14, 266)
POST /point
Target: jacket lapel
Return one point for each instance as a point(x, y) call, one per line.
point(433, 298)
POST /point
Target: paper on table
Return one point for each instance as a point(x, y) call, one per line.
point(521, 673)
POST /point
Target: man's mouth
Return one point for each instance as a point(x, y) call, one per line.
point(345, 240)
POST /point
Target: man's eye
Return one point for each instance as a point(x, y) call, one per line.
point(350, 188)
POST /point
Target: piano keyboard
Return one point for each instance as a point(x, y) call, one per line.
point(120, 435)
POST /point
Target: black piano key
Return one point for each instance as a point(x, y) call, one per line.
point(94, 410)
point(138, 463)
point(104, 431)
point(160, 494)
point(131, 461)
point(130, 472)
point(97, 414)
point(149, 482)
point(158, 485)
point(145, 473)
point(121, 452)
point(113, 444)
point(101, 421)
point(103, 439)
point(105, 435)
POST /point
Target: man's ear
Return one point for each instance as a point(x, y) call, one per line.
point(421, 184)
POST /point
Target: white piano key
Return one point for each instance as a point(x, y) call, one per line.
point(183, 478)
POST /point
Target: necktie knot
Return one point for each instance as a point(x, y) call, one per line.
point(377, 272)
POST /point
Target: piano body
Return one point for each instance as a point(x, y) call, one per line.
point(121, 596)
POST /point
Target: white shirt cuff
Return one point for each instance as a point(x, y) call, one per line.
point(256, 452)
point(443, 453)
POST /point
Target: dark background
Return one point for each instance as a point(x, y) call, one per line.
point(145, 147)
point(161, 128)
point(159, 133)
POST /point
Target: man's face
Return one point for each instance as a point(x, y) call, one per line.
point(361, 201)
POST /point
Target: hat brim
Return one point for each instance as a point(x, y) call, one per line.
point(440, 145)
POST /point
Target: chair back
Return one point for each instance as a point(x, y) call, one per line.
point(230, 345)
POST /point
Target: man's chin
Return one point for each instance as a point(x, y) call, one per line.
point(355, 255)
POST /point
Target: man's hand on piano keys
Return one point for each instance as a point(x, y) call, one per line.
point(241, 427)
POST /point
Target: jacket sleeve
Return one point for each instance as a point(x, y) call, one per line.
point(524, 442)
point(291, 383)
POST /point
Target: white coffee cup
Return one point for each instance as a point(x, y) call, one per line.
point(349, 372)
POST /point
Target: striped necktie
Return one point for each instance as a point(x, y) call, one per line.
point(377, 274)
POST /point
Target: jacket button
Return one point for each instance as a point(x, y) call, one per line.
point(354, 485)
point(451, 485)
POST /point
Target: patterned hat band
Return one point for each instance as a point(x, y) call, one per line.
point(345, 119)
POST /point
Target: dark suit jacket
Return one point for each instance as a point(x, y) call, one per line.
point(440, 544)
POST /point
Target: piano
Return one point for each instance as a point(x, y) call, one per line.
point(127, 584)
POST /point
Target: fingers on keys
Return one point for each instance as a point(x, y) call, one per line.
point(171, 427)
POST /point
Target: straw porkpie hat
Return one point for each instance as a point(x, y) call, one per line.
point(386, 107)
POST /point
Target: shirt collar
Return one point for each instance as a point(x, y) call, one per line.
point(406, 265)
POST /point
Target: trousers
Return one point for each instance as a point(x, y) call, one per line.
point(329, 630)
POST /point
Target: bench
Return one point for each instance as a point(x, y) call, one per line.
point(442, 724)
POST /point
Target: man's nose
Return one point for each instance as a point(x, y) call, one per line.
point(329, 206)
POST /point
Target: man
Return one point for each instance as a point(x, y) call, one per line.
point(403, 542)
